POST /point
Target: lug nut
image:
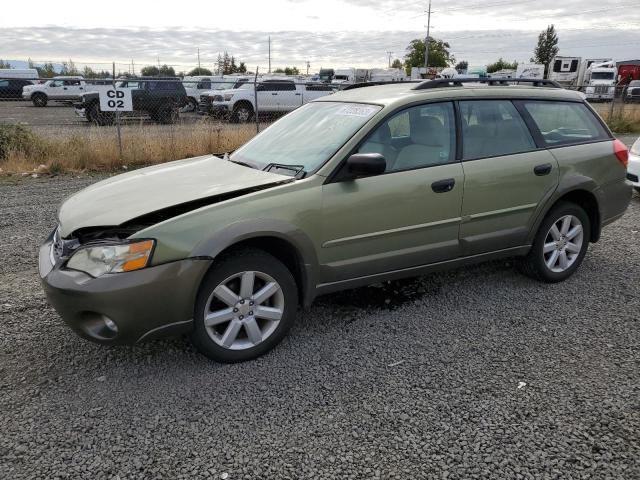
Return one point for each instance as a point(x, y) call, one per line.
point(241, 317)
point(251, 313)
point(235, 310)
point(241, 302)
point(251, 303)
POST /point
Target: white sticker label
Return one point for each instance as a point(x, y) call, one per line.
point(358, 110)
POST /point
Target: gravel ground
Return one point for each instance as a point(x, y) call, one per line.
point(414, 379)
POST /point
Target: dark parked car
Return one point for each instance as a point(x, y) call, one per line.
point(158, 98)
point(11, 88)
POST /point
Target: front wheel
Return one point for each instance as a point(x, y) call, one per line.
point(98, 117)
point(242, 113)
point(246, 305)
point(560, 244)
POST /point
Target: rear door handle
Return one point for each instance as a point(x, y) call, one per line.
point(274, 93)
point(443, 186)
point(544, 169)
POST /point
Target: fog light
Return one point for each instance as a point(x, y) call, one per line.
point(110, 324)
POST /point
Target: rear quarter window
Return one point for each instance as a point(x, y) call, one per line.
point(564, 123)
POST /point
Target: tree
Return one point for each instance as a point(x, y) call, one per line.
point(4, 64)
point(47, 70)
point(397, 63)
point(288, 70)
point(199, 71)
point(88, 72)
point(69, 68)
point(153, 71)
point(501, 65)
point(242, 68)
point(462, 66)
point(439, 55)
point(546, 49)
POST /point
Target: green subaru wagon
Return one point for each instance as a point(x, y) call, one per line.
point(369, 184)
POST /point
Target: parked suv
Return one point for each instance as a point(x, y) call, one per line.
point(157, 98)
point(363, 186)
point(274, 96)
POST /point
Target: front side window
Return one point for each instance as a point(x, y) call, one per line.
point(55, 83)
point(72, 82)
point(421, 136)
point(565, 122)
point(491, 128)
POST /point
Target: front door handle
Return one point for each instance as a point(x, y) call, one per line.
point(443, 186)
point(544, 169)
point(274, 93)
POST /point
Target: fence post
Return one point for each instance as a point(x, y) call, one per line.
point(117, 114)
point(255, 97)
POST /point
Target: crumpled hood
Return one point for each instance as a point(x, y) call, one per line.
point(116, 200)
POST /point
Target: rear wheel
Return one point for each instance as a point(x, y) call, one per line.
point(97, 116)
point(39, 99)
point(246, 305)
point(560, 244)
point(166, 115)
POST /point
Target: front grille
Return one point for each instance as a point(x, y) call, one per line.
point(602, 89)
point(632, 177)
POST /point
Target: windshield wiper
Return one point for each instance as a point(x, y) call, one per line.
point(297, 169)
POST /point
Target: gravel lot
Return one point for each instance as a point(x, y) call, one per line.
point(415, 379)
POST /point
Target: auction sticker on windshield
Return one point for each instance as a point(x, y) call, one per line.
point(358, 110)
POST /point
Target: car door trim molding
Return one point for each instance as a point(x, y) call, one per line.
point(393, 231)
point(528, 206)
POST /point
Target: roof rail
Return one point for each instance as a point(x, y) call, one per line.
point(373, 84)
point(458, 82)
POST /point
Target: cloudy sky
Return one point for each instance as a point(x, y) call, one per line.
point(325, 32)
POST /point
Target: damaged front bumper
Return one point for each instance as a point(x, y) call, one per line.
point(123, 308)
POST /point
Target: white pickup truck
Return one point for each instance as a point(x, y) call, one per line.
point(197, 85)
point(274, 96)
point(62, 89)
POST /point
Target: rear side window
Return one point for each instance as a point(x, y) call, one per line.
point(491, 128)
point(562, 123)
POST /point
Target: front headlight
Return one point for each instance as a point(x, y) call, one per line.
point(635, 148)
point(228, 96)
point(100, 259)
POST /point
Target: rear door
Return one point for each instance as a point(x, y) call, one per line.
point(507, 177)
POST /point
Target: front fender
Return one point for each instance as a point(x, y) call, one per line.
point(249, 229)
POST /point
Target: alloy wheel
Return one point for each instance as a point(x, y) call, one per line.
point(563, 243)
point(244, 310)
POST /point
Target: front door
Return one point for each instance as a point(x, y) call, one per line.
point(506, 176)
point(406, 217)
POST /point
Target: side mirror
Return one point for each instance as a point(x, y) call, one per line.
point(365, 165)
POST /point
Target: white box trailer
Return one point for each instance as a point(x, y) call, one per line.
point(565, 70)
point(25, 73)
point(530, 70)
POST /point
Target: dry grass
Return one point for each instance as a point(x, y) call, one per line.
point(96, 148)
point(623, 118)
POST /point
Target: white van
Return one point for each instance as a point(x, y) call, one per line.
point(25, 73)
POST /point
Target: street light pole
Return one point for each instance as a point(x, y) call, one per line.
point(426, 43)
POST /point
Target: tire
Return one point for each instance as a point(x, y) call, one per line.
point(537, 263)
point(166, 115)
point(95, 115)
point(242, 113)
point(39, 100)
point(235, 315)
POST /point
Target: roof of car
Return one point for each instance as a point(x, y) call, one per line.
point(400, 93)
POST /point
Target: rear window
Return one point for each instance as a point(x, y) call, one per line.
point(562, 123)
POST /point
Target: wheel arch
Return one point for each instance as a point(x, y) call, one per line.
point(583, 192)
point(285, 242)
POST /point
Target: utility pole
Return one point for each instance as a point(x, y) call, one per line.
point(308, 66)
point(198, 60)
point(269, 53)
point(389, 54)
point(426, 43)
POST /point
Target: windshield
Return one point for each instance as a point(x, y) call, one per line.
point(602, 76)
point(307, 137)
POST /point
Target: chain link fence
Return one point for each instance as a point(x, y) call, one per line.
point(72, 123)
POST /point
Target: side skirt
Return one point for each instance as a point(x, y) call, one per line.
point(325, 288)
